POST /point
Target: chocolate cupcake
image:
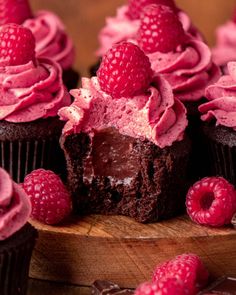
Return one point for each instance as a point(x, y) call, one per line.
point(124, 141)
point(125, 24)
point(52, 41)
point(219, 125)
point(17, 237)
point(31, 93)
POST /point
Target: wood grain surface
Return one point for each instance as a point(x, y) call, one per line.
point(119, 249)
point(84, 19)
point(38, 287)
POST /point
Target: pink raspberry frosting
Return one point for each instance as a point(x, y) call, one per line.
point(189, 69)
point(122, 28)
point(51, 39)
point(15, 206)
point(155, 116)
point(222, 100)
point(31, 91)
point(225, 49)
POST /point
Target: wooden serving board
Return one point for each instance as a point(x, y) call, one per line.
point(119, 249)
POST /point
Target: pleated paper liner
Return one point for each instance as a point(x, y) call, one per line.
point(15, 256)
point(21, 157)
point(220, 143)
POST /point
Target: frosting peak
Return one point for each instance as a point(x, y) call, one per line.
point(51, 39)
point(31, 91)
point(222, 100)
point(15, 206)
point(224, 51)
point(155, 116)
point(189, 70)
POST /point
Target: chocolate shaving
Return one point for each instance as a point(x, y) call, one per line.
point(100, 287)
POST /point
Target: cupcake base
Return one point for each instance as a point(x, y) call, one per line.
point(220, 145)
point(15, 255)
point(117, 174)
point(28, 146)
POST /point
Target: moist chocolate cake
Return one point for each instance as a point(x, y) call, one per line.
point(116, 174)
point(28, 146)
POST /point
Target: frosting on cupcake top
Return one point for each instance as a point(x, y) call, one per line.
point(189, 69)
point(222, 100)
point(123, 28)
point(15, 206)
point(31, 91)
point(51, 39)
point(224, 51)
point(155, 115)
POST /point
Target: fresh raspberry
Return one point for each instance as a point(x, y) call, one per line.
point(160, 29)
point(51, 202)
point(147, 288)
point(186, 268)
point(14, 11)
point(165, 286)
point(124, 71)
point(135, 7)
point(17, 45)
point(211, 201)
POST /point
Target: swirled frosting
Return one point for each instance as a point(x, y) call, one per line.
point(155, 116)
point(31, 91)
point(224, 51)
point(122, 28)
point(51, 39)
point(222, 100)
point(189, 69)
point(15, 206)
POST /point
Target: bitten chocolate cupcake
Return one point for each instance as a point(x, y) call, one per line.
point(219, 127)
point(124, 141)
point(52, 40)
point(31, 93)
point(17, 237)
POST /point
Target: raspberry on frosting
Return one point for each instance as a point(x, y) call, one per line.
point(122, 27)
point(31, 88)
point(185, 62)
point(17, 45)
point(160, 29)
point(135, 7)
point(14, 11)
point(124, 71)
point(52, 41)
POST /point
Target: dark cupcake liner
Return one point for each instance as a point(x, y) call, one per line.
point(15, 255)
point(222, 160)
point(21, 157)
point(220, 151)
